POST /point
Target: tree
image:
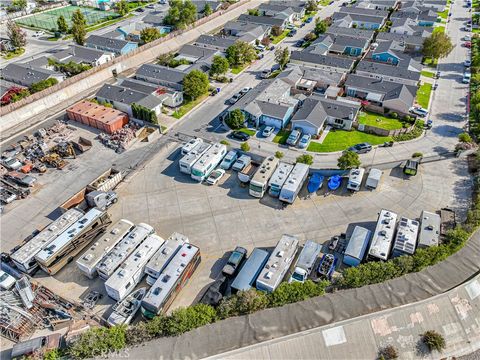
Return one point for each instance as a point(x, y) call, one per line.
point(186, 319)
point(122, 7)
point(19, 4)
point(253, 12)
point(195, 84)
point(240, 53)
point(62, 25)
point(433, 340)
point(242, 303)
point(305, 159)
point(266, 41)
point(288, 293)
point(465, 138)
point(149, 34)
point(278, 154)
point(282, 56)
point(311, 6)
point(235, 119)
point(79, 24)
point(16, 35)
point(181, 13)
point(69, 69)
point(276, 30)
point(165, 59)
point(207, 10)
point(310, 36)
point(245, 147)
point(98, 342)
point(437, 46)
point(220, 66)
point(321, 26)
point(348, 160)
point(42, 85)
point(388, 352)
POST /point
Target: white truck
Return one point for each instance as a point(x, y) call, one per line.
point(306, 261)
point(355, 179)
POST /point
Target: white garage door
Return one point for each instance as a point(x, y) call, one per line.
point(306, 129)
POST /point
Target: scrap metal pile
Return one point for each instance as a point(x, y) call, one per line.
point(120, 139)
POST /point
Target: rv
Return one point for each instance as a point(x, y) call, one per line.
point(306, 261)
point(250, 270)
point(24, 258)
point(278, 178)
point(88, 261)
point(278, 264)
point(162, 257)
point(191, 146)
point(373, 179)
point(174, 277)
point(110, 262)
point(355, 179)
point(383, 236)
point(131, 272)
point(406, 239)
point(208, 162)
point(64, 248)
point(294, 183)
point(356, 247)
point(186, 163)
point(259, 182)
point(429, 230)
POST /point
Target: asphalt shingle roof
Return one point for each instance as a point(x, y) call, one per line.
point(105, 42)
point(387, 70)
point(161, 73)
point(316, 110)
point(339, 62)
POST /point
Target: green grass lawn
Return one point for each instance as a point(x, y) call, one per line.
point(324, 2)
point(379, 121)
point(248, 131)
point(444, 14)
point(277, 39)
point(439, 29)
point(187, 106)
point(281, 137)
point(427, 74)
point(430, 63)
point(12, 54)
point(340, 140)
point(238, 69)
point(423, 95)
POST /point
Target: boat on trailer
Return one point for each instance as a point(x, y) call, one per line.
point(334, 182)
point(125, 310)
point(315, 182)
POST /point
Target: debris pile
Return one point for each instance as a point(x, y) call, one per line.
point(120, 139)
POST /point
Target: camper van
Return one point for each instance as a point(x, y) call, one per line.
point(294, 183)
point(278, 178)
point(355, 178)
point(383, 236)
point(259, 183)
point(191, 145)
point(429, 230)
point(306, 261)
point(208, 162)
point(186, 163)
point(406, 239)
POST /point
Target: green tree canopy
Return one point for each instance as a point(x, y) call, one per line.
point(62, 25)
point(276, 30)
point(122, 7)
point(220, 65)
point(437, 46)
point(149, 34)
point(311, 6)
point(207, 10)
point(240, 53)
point(16, 35)
point(305, 159)
point(19, 4)
point(348, 160)
point(195, 84)
point(79, 30)
point(69, 69)
point(282, 56)
point(321, 26)
point(181, 13)
point(235, 119)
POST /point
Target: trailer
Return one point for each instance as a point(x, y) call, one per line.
point(356, 247)
point(186, 163)
point(383, 236)
point(306, 260)
point(247, 173)
point(82, 144)
point(294, 183)
point(208, 162)
point(250, 270)
point(406, 239)
point(278, 178)
point(259, 182)
point(327, 265)
point(429, 230)
point(373, 179)
point(355, 178)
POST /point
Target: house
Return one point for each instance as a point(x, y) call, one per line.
point(379, 4)
point(25, 75)
point(316, 112)
point(407, 26)
point(339, 45)
point(363, 11)
point(82, 55)
point(436, 5)
point(116, 46)
point(345, 31)
point(154, 19)
point(334, 63)
point(245, 31)
point(132, 31)
point(193, 54)
point(39, 63)
point(411, 43)
point(424, 17)
point(220, 43)
point(282, 11)
point(307, 79)
point(122, 98)
point(388, 52)
point(264, 21)
point(388, 95)
point(387, 72)
point(269, 103)
point(171, 98)
point(161, 75)
point(200, 5)
point(358, 21)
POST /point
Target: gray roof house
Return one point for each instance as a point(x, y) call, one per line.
point(245, 31)
point(407, 26)
point(195, 53)
point(82, 55)
point(263, 20)
point(200, 5)
point(378, 4)
point(282, 11)
point(315, 112)
point(25, 75)
point(161, 75)
point(116, 46)
point(326, 62)
point(411, 43)
point(357, 20)
point(389, 95)
point(359, 33)
point(154, 19)
point(363, 11)
point(393, 52)
point(220, 43)
point(169, 97)
point(339, 45)
point(387, 72)
point(307, 79)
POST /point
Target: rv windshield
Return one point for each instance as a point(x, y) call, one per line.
point(197, 172)
point(256, 188)
point(297, 276)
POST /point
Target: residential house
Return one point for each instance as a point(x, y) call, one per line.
point(307, 80)
point(116, 46)
point(407, 26)
point(387, 72)
point(264, 21)
point(390, 96)
point(82, 55)
point(358, 21)
point(389, 51)
point(200, 5)
point(339, 45)
point(423, 18)
point(132, 31)
point(363, 11)
point(195, 54)
point(385, 5)
point(282, 11)
point(220, 43)
point(316, 112)
point(39, 63)
point(333, 63)
point(26, 75)
point(411, 43)
point(171, 98)
point(436, 5)
point(245, 31)
point(345, 31)
point(155, 20)
point(161, 75)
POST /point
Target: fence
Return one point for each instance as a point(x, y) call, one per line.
point(383, 132)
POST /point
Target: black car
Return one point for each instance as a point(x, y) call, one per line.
point(299, 43)
point(239, 135)
point(361, 148)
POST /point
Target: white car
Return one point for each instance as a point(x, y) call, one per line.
point(304, 141)
point(245, 90)
point(419, 111)
point(466, 78)
point(6, 281)
point(467, 38)
point(215, 176)
point(267, 131)
point(38, 34)
point(467, 63)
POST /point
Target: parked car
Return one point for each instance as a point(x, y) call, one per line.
point(294, 137)
point(266, 74)
point(234, 99)
point(150, 6)
point(6, 281)
point(245, 90)
point(242, 162)
point(467, 44)
point(419, 111)
point(215, 176)
point(467, 38)
point(292, 33)
point(11, 163)
point(361, 148)
point(466, 78)
point(139, 10)
point(38, 34)
point(309, 20)
point(299, 43)
point(239, 135)
point(234, 261)
point(229, 160)
point(304, 141)
point(437, 75)
point(429, 124)
point(467, 63)
point(267, 131)
point(260, 47)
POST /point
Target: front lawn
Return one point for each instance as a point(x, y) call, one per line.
point(325, 2)
point(238, 69)
point(12, 54)
point(339, 140)
point(423, 95)
point(187, 106)
point(281, 137)
point(277, 39)
point(430, 62)
point(247, 131)
point(427, 74)
point(379, 121)
point(444, 14)
point(440, 28)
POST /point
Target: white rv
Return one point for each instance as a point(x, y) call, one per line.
point(99, 248)
point(191, 145)
point(278, 178)
point(278, 264)
point(383, 236)
point(24, 258)
point(131, 272)
point(429, 230)
point(373, 179)
point(162, 257)
point(294, 183)
point(208, 162)
point(192, 157)
point(306, 261)
point(110, 262)
point(355, 179)
point(406, 239)
point(259, 183)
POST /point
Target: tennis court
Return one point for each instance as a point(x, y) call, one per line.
point(48, 20)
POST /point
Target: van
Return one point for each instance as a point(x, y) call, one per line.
point(294, 137)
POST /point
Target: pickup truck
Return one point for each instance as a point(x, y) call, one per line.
point(247, 173)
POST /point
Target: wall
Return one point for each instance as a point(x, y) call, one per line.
point(382, 132)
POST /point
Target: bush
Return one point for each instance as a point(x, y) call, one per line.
point(288, 293)
point(415, 133)
point(305, 159)
point(417, 154)
point(245, 147)
point(433, 340)
point(235, 119)
point(98, 342)
point(278, 154)
point(348, 160)
point(42, 85)
point(389, 352)
point(225, 142)
point(394, 115)
point(465, 138)
point(189, 318)
point(242, 303)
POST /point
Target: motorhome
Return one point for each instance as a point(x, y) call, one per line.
point(294, 183)
point(174, 277)
point(382, 237)
point(162, 257)
point(278, 178)
point(429, 229)
point(131, 272)
point(373, 179)
point(110, 262)
point(306, 261)
point(278, 264)
point(357, 246)
point(259, 183)
point(250, 270)
point(65, 247)
point(191, 146)
point(406, 238)
point(208, 162)
point(24, 258)
point(99, 248)
point(355, 178)
point(186, 163)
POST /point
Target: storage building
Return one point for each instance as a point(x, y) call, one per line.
point(98, 116)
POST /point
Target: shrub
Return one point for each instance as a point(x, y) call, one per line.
point(225, 142)
point(394, 115)
point(245, 147)
point(99, 342)
point(417, 154)
point(235, 119)
point(465, 138)
point(189, 318)
point(242, 303)
point(348, 160)
point(305, 159)
point(433, 340)
point(389, 352)
point(288, 293)
point(278, 154)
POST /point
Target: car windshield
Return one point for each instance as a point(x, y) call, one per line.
point(3, 277)
point(235, 257)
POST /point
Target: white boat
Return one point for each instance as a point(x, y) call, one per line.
point(125, 310)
